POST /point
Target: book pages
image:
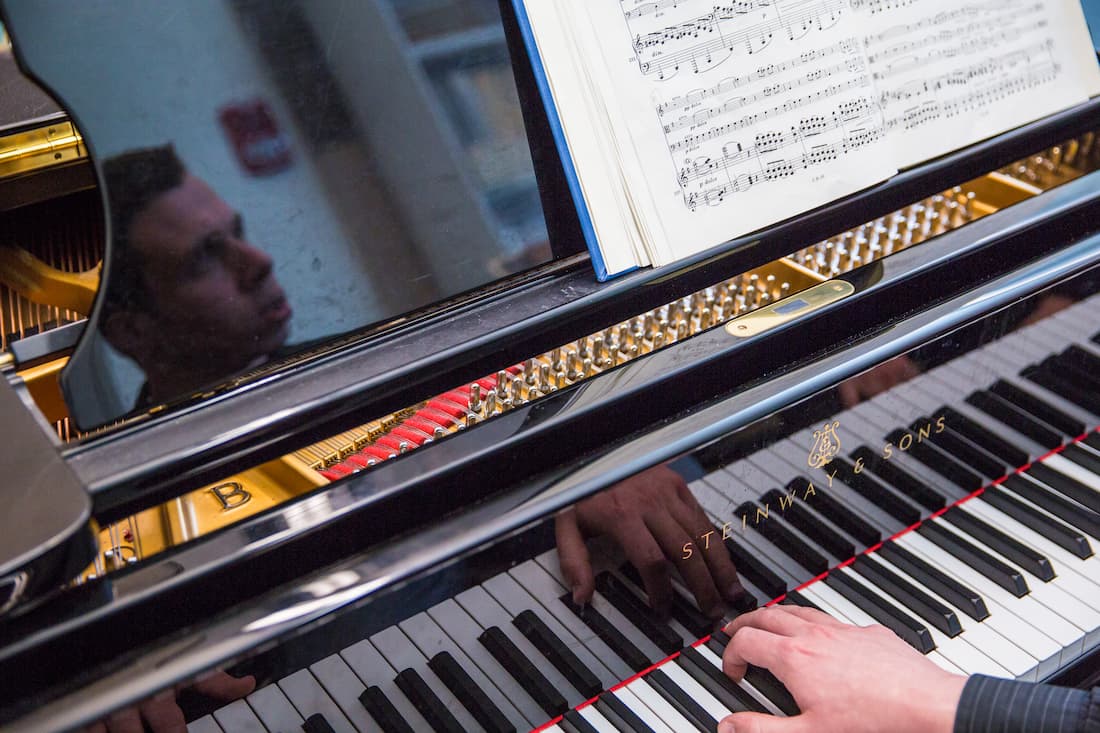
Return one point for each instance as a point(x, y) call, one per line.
point(951, 73)
point(690, 123)
point(741, 115)
point(588, 135)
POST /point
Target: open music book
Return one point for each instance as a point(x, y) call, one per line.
point(685, 123)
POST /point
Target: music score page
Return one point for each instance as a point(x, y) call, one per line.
point(692, 122)
point(951, 74)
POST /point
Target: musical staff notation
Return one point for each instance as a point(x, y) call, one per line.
point(741, 111)
point(750, 120)
point(742, 7)
point(1033, 76)
point(704, 42)
point(812, 58)
point(933, 67)
point(778, 154)
point(965, 76)
point(953, 43)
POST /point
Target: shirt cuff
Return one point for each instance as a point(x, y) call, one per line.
point(990, 705)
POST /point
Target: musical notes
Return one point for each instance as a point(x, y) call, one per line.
point(875, 7)
point(700, 130)
point(700, 43)
point(807, 103)
point(715, 118)
point(809, 58)
point(778, 154)
point(934, 65)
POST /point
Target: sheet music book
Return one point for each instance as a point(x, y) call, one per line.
point(685, 123)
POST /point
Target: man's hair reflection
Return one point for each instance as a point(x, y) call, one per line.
point(133, 180)
point(188, 297)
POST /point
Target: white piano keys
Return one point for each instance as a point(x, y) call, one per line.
point(205, 724)
point(274, 710)
point(402, 654)
point(659, 708)
point(432, 640)
point(306, 694)
point(956, 650)
point(344, 688)
point(983, 634)
point(638, 698)
point(238, 717)
point(374, 671)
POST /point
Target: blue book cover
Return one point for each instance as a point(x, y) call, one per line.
point(570, 169)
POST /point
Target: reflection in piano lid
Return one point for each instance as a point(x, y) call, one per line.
point(244, 494)
point(966, 492)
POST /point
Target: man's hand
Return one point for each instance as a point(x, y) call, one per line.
point(161, 714)
point(653, 516)
point(846, 679)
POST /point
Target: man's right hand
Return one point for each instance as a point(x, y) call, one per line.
point(845, 679)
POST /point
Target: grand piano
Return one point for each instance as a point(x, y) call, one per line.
point(886, 408)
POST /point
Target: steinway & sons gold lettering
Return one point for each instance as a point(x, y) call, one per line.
point(826, 447)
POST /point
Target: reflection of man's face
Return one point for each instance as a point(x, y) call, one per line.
point(215, 299)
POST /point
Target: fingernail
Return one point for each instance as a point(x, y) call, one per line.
point(578, 598)
point(727, 726)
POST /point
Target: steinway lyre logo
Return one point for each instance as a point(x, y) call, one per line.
point(826, 445)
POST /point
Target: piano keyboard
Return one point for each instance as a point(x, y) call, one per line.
point(973, 542)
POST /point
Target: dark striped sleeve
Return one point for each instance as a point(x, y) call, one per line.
point(990, 705)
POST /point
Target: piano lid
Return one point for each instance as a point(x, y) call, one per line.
point(280, 174)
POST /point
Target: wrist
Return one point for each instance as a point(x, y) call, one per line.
point(939, 707)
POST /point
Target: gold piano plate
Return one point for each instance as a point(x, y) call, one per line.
point(788, 309)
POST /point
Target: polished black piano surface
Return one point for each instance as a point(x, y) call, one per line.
point(920, 451)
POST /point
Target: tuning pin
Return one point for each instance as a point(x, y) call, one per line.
point(555, 360)
point(576, 368)
point(475, 397)
point(1056, 158)
point(597, 350)
point(727, 307)
point(1072, 148)
point(545, 386)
